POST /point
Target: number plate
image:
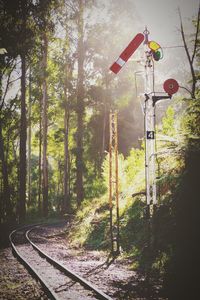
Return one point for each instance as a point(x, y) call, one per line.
point(150, 135)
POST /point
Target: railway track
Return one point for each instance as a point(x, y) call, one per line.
point(58, 281)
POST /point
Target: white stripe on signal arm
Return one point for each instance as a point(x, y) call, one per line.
point(120, 62)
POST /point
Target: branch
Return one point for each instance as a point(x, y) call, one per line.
point(14, 80)
point(71, 6)
point(182, 87)
point(196, 35)
point(189, 58)
point(138, 194)
point(7, 85)
point(7, 65)
point(183, 37)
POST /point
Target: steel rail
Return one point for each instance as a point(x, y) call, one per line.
point(67, 271)
point(48, 291)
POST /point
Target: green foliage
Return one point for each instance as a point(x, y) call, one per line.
point(98, 237)
point(92, 214)
point(92, 230)
point(191, 120)
point(133, 227)
point(168, 122)
point(135, 163)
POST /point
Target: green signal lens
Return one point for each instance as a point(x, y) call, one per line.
point(157, 55)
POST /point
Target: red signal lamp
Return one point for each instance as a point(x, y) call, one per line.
point(171, 86)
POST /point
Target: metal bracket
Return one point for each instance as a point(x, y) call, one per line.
point(157, 98)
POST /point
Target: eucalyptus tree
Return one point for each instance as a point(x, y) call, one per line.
point(5, 202)
point(24, 21)
point(18, 38)
point(7, 65)
point(80, 105)
point(66, 61)
point(45, 27)
point(78, 10)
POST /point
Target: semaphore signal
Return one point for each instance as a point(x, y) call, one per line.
point(127, 53)
point(152, 53)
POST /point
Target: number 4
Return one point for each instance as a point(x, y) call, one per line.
point(150, 135)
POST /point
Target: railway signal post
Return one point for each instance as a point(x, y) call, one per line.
point(149, 123)
point(152, 53)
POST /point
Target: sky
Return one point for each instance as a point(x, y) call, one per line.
point(161, 17)
point(162, 20)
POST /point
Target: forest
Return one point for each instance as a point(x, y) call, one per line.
point(56, 95)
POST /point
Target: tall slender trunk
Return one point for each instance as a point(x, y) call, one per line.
point(1, 200)
point(66, 203)
point(44, 127)
point(29, 141)
point(23, 138)
point(6, 201)
point(59, 180)
point(40, 159)
point(80, 109)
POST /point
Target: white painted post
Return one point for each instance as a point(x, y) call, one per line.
point(149, 121)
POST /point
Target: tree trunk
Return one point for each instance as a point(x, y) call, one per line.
point(66, 207)
point(66, 202)
point(1, 200)
point(44, 127)
point(23, 138)
point(6, 202)
point(80, 109)
point(29, 141)
point(40, 160)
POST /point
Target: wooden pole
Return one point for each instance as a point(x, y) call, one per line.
point(116, 179)
point(29, 140)
point(110, 182)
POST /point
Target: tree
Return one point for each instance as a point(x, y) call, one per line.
point(18, 40)
point(80, 106)
point(6, 187)
point(44, 128)
point(66, 199)
point(6, 68)
point(45, 26)
point(191, 56)
point(66, 66)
